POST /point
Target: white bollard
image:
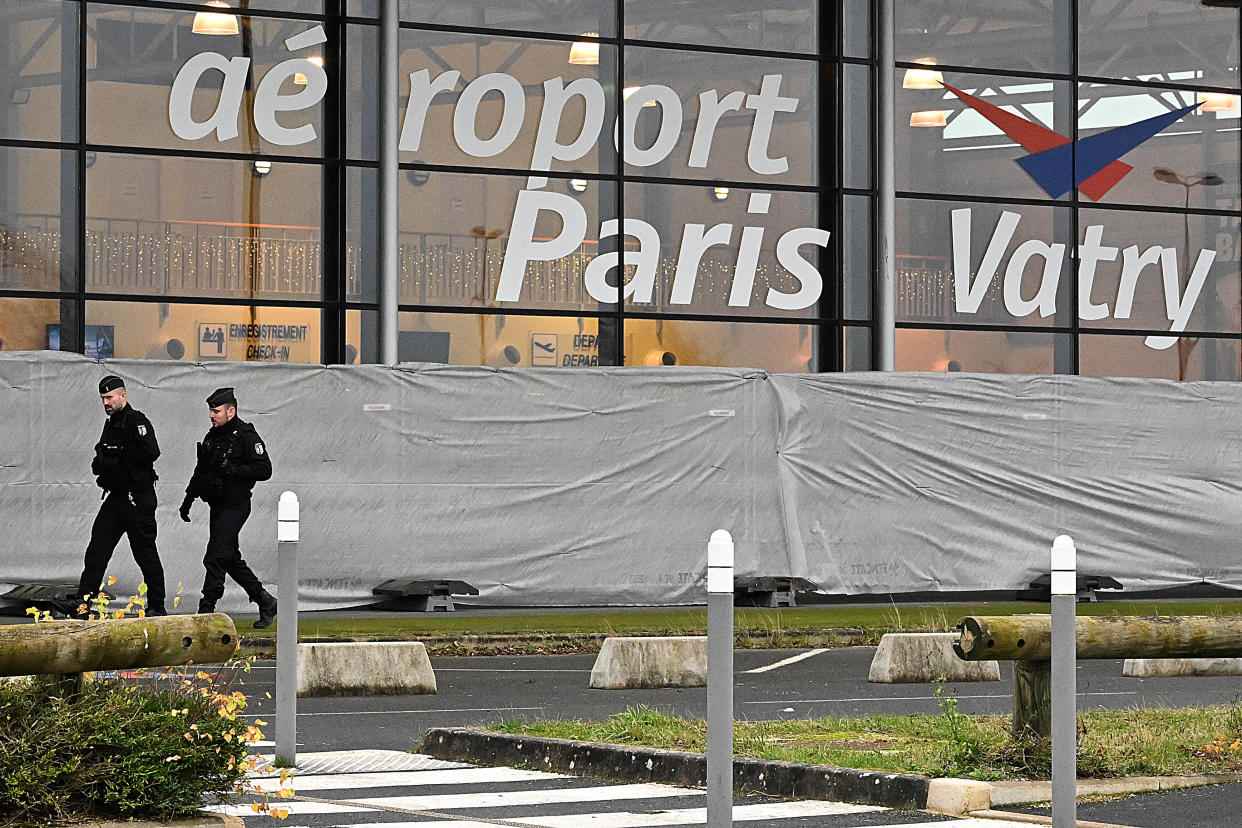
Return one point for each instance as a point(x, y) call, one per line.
point(720, 680)
point(1064, 683)
point(287, 629)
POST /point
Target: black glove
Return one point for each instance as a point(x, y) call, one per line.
point(185, 508)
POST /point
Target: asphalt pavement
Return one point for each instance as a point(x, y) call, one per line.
point(769, 685)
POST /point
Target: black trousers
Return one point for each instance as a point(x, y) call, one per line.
point(132, 514)
point(224, 553)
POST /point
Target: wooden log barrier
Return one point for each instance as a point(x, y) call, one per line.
point(69, 647)
point(1026, 641)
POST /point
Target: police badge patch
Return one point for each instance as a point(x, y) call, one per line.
point(142, 431)
point(258, 449)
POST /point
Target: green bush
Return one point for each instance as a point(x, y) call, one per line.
point(117, 750)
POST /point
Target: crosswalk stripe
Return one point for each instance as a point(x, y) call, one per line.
point(684, 816)
point(971, 822)
point(471, 801)
point(392, 779)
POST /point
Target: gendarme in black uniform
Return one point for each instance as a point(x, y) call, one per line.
point(231, 459)
point(124, 468)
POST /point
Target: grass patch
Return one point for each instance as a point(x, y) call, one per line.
point(1137, 742)
point(793, 627)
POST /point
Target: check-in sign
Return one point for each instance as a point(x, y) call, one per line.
point(212, 340)
point(543, 349)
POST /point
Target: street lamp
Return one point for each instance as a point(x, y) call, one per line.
point(1204, 179)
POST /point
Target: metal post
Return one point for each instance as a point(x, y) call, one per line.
point(886, 212)
point(1064, 683)
point(287, 630)
point(720, 680)
point(388, 134)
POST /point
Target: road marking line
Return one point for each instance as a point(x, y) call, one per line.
point(787, 661)
point(406, 779)
point(916, 698)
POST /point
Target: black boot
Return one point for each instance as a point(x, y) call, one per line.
point(267, 610)
point(156, 610)
point(205, 606)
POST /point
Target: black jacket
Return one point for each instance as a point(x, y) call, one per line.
point(126, 452)
point(231, 459)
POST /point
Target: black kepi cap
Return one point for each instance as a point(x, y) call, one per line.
point(110, 383)
point(221, 396)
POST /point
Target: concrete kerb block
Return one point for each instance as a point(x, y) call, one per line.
point(365, 668)
point(920, 658)
point(1175, 667)
point(630, 663)
point(958, 796)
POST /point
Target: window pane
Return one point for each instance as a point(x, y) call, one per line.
point(361, 337)
point(857, 144)
point(783, 348)
point(944, 145)
point(31, 325)
point(858, 28)
point(857, 349)
point(779, 25)
point(136, 54)
point(199, 333)
point(1163, 267)
point(1009, 35)
point(1192, 148)
point(735, 141)
point(561, 16)
point(984, 352)
point(456, 230)
point(856, 250)
point(203, 227)
point(36, 232)
point(495, 123)
point(1188, 359)
point(39, 70)
point(682, 215)
point(1003, 283)
point(1186, 41)
point(499, 341)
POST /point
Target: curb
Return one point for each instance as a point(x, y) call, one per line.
point(790, 780)
point(446, 645)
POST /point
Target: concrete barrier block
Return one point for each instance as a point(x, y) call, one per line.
point(628, 663)
point(365, 668)
point(918, 658)
point(958, 796)
point(1173, 667)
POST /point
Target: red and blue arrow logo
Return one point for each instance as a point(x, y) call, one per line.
point(1056, 163)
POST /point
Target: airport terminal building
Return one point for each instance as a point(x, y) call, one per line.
point(1057, 190)
point(536, 294)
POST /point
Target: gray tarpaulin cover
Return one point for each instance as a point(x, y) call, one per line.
point(601, 486)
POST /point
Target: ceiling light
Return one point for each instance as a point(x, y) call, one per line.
point(585, 52)
point(214, 23)
point(578, 185)
point(720, 193)
point(630, 90)
point(929, 118)
point(1217, 102)
point(261, 168)
point(923, 78)
point(299, 78)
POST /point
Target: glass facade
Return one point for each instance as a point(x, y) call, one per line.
point(616, 182)
point(1068, 188)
